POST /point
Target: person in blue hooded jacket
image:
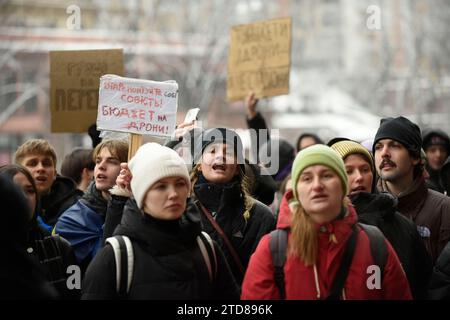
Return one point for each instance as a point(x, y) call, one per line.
point(82, 224)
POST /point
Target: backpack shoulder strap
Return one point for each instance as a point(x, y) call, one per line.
point(378, 247)
point(208, 253)
point(278, 246)
point(124, 258)
point(342, 273)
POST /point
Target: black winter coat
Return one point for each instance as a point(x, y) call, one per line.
point(380, 210)
point(445, 177)
point(226, 204)
point(21, 277)
point(440, 280)
point(168, 263)
point(434, 182)
point(63, 194)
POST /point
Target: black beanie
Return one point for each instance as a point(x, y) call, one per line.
point(402, 130)
point(219, 135)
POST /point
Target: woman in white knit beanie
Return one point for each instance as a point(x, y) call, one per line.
point(172, 259)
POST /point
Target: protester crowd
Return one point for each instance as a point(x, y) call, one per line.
point(196, 219)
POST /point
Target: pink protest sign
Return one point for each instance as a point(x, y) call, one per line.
point(137, 106)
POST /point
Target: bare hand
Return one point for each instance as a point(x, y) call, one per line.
point(183, 128)
point(251, 103)
point(123, 180)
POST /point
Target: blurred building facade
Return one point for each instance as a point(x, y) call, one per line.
point(401, 68)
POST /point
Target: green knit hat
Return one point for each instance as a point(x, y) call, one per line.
point(314, 155)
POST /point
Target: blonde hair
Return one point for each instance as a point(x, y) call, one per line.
point(35, 147)
point(244, 186)
point(304, 238)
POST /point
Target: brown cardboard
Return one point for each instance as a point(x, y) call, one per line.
point(259, 59)
point(74, 83)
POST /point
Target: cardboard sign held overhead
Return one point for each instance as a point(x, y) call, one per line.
point(137, 106)
point(259, 59)
point(74, 82)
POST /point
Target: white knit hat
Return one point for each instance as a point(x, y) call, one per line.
point(151, 163)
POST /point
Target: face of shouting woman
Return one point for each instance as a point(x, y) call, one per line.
point(219, 164)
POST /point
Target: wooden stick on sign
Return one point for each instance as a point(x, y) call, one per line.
point(134, 144)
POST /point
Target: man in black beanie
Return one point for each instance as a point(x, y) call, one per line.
point(397, 148)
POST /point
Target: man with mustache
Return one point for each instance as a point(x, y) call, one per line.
point(397, 146)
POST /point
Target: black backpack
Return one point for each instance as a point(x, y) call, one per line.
point(378, 249)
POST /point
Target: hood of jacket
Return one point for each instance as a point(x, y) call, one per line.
point(285, 214)
point(428, 134)
point(160, 237)
point(63, 194)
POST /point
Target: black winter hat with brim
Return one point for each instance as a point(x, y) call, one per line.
point(219, 135)
point(402, 130)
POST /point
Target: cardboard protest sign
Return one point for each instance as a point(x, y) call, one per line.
point(74, 82)
point(259, 59)
point(137, 106)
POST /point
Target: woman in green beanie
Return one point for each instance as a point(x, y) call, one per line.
point(328, 254)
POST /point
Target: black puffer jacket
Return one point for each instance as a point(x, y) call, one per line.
point(226, 204)
point(440, 280)
point(380, 210)
point(63, 194)
point(168, 263)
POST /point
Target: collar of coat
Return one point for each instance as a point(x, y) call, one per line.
point(160, 238)
point(410, 201)
point(93, 199)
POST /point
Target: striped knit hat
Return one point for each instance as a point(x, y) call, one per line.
point(348, 147)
